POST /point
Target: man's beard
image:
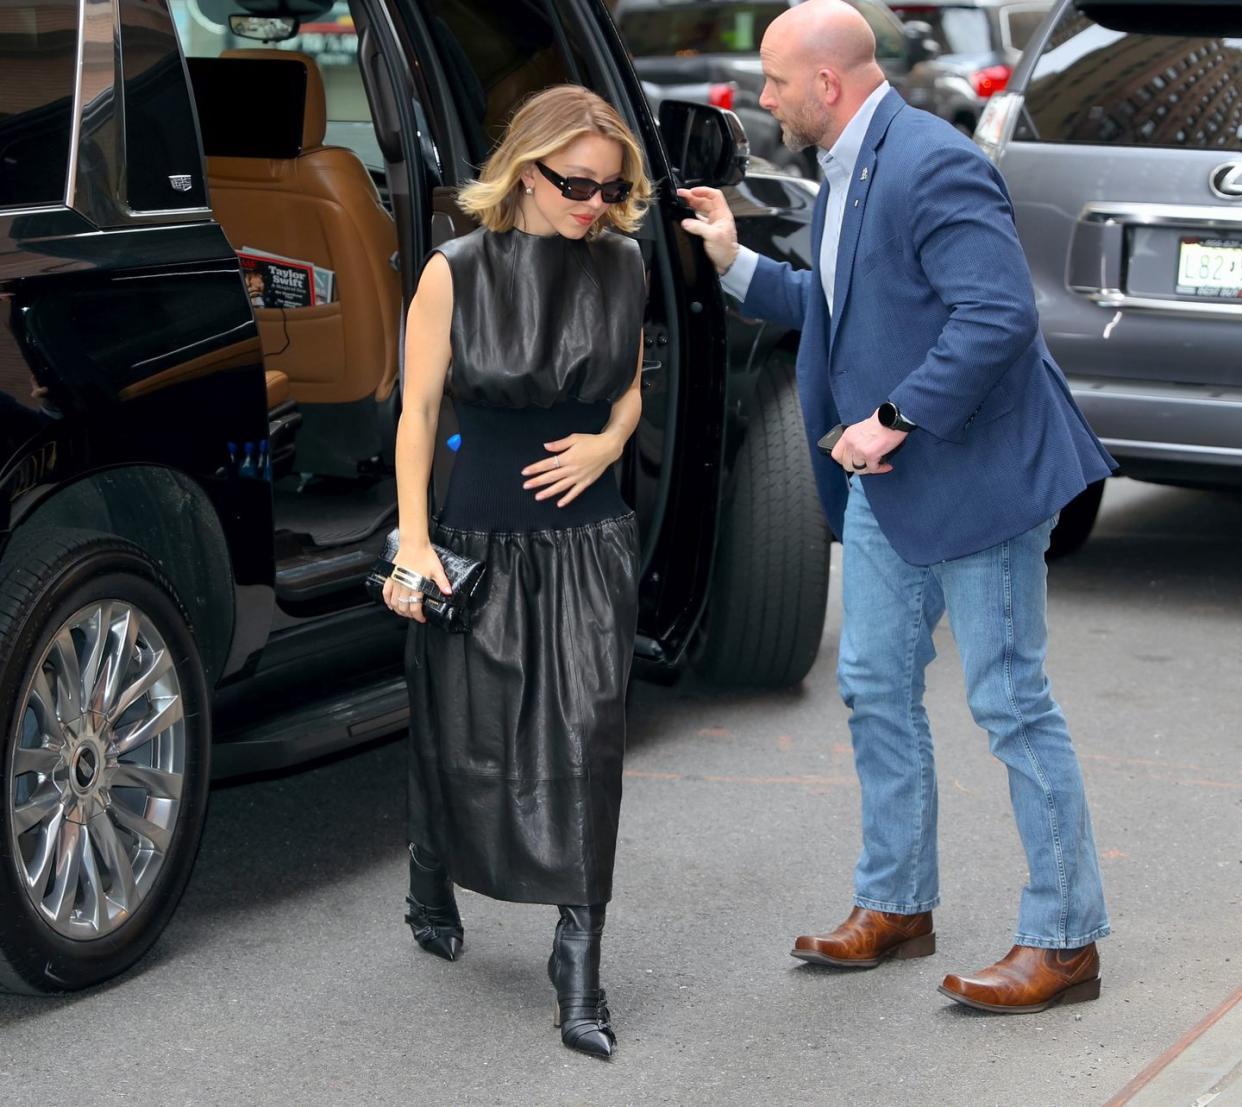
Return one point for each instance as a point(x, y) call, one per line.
point(800, 132)
point(795, 140)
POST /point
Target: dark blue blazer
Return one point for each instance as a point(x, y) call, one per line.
point(934, 310)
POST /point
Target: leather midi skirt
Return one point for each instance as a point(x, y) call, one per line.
point(517, 729)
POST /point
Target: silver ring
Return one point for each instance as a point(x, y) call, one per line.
point(415, 600)
point(557, 459)
point(404, 599)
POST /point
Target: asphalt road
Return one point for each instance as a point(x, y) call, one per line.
point(287, 976)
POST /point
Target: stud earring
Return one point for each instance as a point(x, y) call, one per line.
point(530, 191)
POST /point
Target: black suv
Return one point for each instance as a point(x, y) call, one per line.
point(206, 248)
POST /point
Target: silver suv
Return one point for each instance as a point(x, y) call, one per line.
point(1120, 137)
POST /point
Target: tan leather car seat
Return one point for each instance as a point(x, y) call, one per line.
point(278, 391)
point(320, 206)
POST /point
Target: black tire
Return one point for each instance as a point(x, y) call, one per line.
point(48, 578)
point(769, 591)
point(1077, 519)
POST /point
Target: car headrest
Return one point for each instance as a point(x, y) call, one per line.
point(258, 103)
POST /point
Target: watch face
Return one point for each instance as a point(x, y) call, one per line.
point(887, 414)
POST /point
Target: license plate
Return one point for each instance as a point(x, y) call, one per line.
point(1210, 267)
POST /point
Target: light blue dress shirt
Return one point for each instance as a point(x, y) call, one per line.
point(838, 166)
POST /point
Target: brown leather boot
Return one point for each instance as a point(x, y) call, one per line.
point(868, 937)
point(1027, 979)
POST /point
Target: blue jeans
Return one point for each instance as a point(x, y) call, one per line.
point(996, 600)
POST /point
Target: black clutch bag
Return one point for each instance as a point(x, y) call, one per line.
point(451, 613)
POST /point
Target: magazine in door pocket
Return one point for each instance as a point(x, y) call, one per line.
point(276, 281)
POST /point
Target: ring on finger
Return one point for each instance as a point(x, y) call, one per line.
point(858, 468)
point(557, 459)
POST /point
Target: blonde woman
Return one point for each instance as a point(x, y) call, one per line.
point(518, 728)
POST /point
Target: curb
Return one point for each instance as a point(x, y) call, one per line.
point(1204, 1066)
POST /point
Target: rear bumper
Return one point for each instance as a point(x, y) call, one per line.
point(1162, 431)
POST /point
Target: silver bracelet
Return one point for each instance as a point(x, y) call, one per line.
point(410, 579)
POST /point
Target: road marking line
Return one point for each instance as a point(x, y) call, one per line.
point(811, 779)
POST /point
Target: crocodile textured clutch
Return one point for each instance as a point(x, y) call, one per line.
point(451, 613)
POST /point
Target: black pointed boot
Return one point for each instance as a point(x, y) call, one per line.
point(581, 1011)
point(433, 909)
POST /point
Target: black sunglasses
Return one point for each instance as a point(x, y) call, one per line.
point(583, 188)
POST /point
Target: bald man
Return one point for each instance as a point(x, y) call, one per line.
point(960, 445)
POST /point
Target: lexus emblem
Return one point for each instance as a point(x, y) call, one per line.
point(181, 182)
point(1226, 180)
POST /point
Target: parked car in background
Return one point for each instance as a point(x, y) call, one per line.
point(714, 45)
point(196, 448)
point(1120, 136)
point(978, 44)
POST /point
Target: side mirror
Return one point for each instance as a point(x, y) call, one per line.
point(265, 28)
point(921, 44)
point(706, 145)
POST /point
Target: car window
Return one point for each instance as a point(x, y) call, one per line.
point(330, 39)
point(494, 55)
point(1096, 84)
point(38, 52)
point(958, 30)
point(703, 28)
point(1019, 22)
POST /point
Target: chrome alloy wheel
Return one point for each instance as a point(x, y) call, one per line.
point(96, 772)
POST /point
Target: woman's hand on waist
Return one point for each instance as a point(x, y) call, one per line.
point(422, 560)
point(577, 463)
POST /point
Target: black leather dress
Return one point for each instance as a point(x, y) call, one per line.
point(518, 728)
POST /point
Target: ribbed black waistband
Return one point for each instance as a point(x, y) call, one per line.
point(485, 490)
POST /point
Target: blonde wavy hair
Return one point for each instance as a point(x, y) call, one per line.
point(543, 125)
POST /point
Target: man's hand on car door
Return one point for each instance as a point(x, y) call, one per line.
point(713, 224)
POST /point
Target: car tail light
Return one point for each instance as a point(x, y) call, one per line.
point(989, 81)
point(996, 125)
point(721, 95)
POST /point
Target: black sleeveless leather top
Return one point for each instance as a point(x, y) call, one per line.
point(541, 319)
point(544, 339)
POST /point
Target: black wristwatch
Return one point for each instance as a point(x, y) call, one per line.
point(890, 416)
